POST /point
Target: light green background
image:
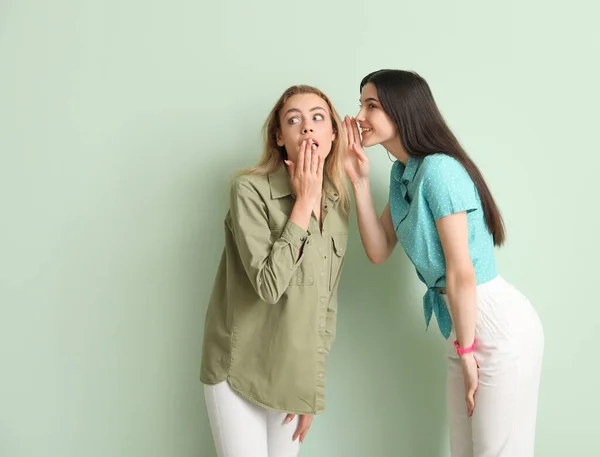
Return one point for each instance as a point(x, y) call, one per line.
point(121, 122)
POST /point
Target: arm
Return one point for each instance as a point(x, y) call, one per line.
point(460, 276)
point(461, 289)
point(451, 194)
point(269, 265)
point(377, 234)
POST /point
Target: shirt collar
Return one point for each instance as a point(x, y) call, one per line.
point(279, 182)
point(406, 173)
point(280, 185)
point(330, 190)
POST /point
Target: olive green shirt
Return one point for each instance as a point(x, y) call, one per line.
point(272, 314)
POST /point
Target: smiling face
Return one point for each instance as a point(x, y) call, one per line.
point(305, 117)
point(375, 124)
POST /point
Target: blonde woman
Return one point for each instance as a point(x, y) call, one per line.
point(272, 314)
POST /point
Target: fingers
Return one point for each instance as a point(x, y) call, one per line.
point(304, 423)
point(357, 145)
point(314, 164)
point(359, 152)
point(299, 430)
point(353, 135)
point(303, 436)
point(470, 405)
point(289, 418)
point(291, 168)
point(470, 400)
point(349, 131)
point(320, 168)
point(308, 422)
point(299, 165)
point(356, 132)
point(309, 160)
point(298, 426)
point(307, 156)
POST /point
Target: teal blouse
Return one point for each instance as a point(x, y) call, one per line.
point(423, 191)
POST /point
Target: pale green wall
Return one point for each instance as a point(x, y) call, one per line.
point(121, 122)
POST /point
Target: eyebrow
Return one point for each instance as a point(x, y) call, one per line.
point(316, 108)
point(370, 99)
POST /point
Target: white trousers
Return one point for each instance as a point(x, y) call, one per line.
point(242, 429)
point(509, 351)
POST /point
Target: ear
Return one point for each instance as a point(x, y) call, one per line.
point(279, 139)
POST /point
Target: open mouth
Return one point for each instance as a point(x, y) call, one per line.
point(314, 144)
point(364, 130)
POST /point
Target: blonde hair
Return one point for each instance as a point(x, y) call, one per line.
point(273, 155)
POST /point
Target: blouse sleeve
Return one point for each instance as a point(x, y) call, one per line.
point(448, 188)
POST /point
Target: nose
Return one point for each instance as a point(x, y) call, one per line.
point(360, 117)
point(307, 126)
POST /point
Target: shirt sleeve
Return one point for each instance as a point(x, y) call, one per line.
point(448, 188)
point(268, 264)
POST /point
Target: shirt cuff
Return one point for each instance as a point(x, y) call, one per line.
point(294, 234)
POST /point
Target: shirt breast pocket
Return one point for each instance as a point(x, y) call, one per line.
point(302, 275)
point(338, 251)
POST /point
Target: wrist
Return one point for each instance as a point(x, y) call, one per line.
point(467, 357)
point(360, 184)
point(304, 204)
point(464, 350)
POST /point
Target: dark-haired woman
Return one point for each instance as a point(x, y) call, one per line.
point(443, 213)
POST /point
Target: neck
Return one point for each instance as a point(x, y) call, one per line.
point(395, 148)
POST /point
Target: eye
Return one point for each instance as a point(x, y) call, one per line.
point(319, 117)
point(293, 120)
point(371, 105)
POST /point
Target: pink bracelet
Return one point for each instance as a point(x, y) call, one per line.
point(462, 351)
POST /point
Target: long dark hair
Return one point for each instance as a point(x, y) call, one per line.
point(407, 99)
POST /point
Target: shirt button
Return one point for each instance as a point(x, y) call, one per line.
point(322, 299)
